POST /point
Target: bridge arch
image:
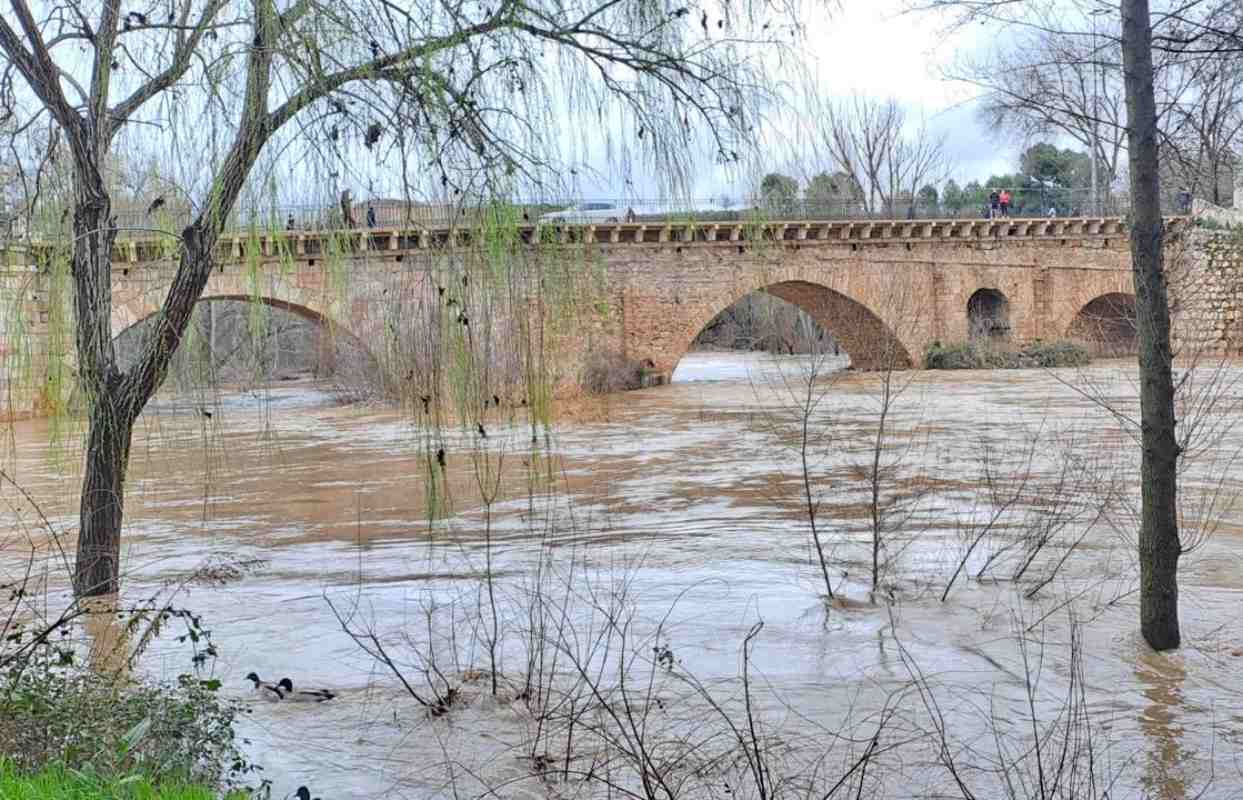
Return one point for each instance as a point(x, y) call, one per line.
point(305, 294)
point(126, 317)
point(1106, 324)
point(326, 329)
point(988, 315)
point(861, 332)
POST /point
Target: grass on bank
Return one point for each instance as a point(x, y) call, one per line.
point(56, 783)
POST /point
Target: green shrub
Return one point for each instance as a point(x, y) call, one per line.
point(1059, 353)
point(111, 727)
point(987, 355)
point(56, 713)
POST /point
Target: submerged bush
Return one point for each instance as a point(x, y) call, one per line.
point(986, 355)
point(1059, 353)
point(607, 371)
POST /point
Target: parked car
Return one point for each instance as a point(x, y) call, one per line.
point(585, 212)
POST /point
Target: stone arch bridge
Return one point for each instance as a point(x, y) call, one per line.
point(884, 289)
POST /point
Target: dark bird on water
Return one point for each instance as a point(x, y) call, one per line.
point(704, 21)
point(526, 217)
point(373, 134)
point(203, 413)
point(334, 134)
point(496, 400)
point(156, 205)
point(441, 290)
point(375, 49)
point(303, 793)
point(440, 457)
point(427, 399)
point(482, 433)
point(266, 691)
point(465, 280)
point(462, 318)
point(304, 695)
point(64, 215)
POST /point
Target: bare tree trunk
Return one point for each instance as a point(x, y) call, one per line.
point(97, 567)
point(111, 422)
point(1159, 546)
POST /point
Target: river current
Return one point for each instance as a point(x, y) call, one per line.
point(684, 509)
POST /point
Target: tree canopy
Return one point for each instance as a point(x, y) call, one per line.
point(1066, 168)
point(780, 192)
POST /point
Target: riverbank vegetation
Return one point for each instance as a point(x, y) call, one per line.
point(983, 354)
point(58, 783)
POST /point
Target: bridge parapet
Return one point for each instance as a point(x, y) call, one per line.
point(379, 241)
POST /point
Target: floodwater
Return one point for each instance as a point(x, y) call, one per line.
point(681, 516)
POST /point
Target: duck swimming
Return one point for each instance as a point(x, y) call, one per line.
point(303, 695)
point(303, 793)
point(266, 691)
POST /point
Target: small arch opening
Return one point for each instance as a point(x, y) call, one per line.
point(988, 316)
point(1106, 326)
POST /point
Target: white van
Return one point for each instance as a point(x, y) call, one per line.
point(596, 211)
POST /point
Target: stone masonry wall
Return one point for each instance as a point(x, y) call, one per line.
point(1206, 293)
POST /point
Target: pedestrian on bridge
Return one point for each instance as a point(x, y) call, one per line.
point(1004, 199)
point(370, 216)
point(994, 204)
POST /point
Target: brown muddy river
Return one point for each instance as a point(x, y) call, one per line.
point(680, 513)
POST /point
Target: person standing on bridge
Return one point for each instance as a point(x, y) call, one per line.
point(370, 216)
point(1184, 201)
point(994, 204)
point(1004, 199)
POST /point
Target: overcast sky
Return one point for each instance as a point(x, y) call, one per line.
point(861, 46)
point(871, 47)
